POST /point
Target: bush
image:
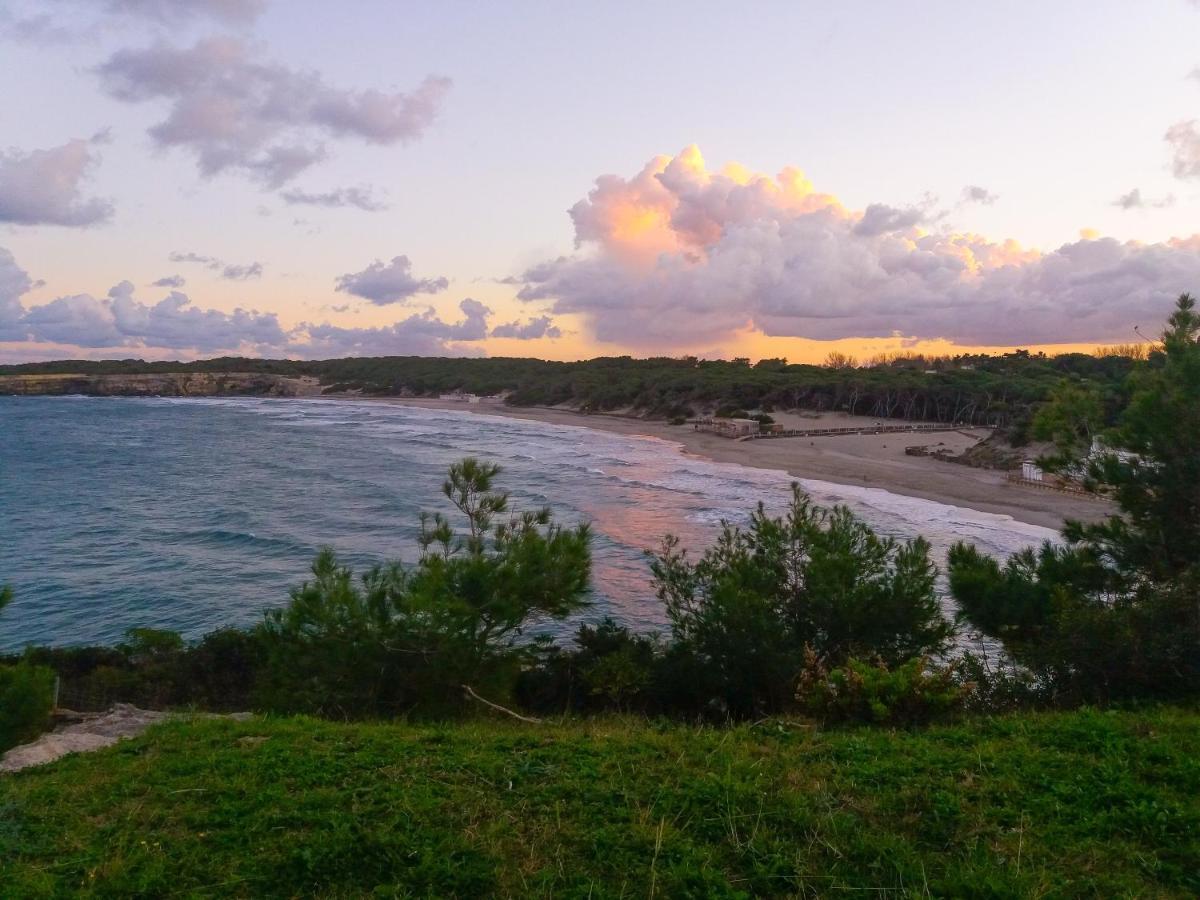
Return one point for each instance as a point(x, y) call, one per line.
point(728, 411)
point(221, 671)
point(609, 669)
point(26, 701)
point(745, 614)
point(1063, 616)
point(413, 639)
point(1115, 613)
point(909, 694)
point(997, 684)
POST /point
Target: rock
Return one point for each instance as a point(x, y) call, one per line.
point(83, 733)
point(166, 384)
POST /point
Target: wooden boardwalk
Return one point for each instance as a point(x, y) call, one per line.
point(922, 428)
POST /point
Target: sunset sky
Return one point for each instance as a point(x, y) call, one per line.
point(191, 178)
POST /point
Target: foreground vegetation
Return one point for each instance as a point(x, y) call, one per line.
point(790, 623)
point(807, 613)
point(1097, 804)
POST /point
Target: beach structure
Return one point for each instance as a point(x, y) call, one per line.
point(1031, 471)
point(460, 397)
point(730, 428)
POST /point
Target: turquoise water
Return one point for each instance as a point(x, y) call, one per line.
point(195, 514)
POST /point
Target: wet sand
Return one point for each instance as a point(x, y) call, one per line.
point(868, 460)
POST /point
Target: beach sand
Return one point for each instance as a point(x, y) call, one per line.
point(872, 460)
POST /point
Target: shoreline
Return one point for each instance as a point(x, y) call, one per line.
point(873, 461)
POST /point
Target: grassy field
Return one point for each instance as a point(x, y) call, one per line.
point(1101, 804)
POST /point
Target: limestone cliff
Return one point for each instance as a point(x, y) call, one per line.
point(167, 384)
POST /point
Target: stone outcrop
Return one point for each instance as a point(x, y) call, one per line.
point(81, 733)
point(990, 453)
point(85, 732)
point(167, 384)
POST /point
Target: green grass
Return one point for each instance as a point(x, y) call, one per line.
point(1100, 804)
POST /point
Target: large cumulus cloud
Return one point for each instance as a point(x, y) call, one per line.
point(45, 187)
point(235, 111)
point(679, 255)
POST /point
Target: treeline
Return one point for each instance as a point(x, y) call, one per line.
point(999, 391)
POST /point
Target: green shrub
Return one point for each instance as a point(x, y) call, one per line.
point(909, 694)
point(412, 639)
point(998, 684)
point(26, 701)
point(608, 668)
point(1114, 613)
point(728, 411)
point(744, 615)
point(1065, 617)
point(221, 670)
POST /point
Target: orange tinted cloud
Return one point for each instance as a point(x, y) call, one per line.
point(683, 256)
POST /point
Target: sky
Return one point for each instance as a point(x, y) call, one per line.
point(192, 178)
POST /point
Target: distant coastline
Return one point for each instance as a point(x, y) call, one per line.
point(876, 461)
point(160, 384)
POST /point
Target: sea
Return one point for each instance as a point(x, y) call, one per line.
point(195, 514)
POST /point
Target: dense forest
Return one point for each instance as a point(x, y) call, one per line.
point(999, 391)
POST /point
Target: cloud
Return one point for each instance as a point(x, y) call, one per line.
point(14, 283)
point(363, 198)
point(681, 256)
point(973, 193)
point(232, 12)
point(171, 281)
point(1134, 200)
point(236, 112)
point(210, 262)
point(40, 28)
point(392, 282)
point(120, 320)
point(422, 334)
point(45, 187)
point(542, 326)
point(242, 273)
point(1184, 138)
point(879, 218)
point(117, 322)
point(229, 271)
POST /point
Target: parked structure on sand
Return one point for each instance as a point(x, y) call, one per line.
point(734, 428)
point(460, 397)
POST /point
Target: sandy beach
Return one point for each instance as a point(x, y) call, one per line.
point(865, 460)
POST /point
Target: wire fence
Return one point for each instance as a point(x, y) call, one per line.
point(91, 696)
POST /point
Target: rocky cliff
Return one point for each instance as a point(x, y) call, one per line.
point(170, 384)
